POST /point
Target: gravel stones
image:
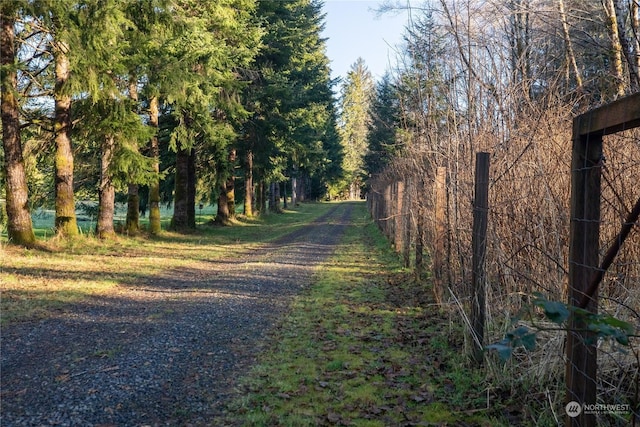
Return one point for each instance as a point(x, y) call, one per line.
point(165, 351)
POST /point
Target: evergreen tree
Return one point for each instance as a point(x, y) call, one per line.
point(19, 225)
point(212, 41)
point(291, 133)
point(144, 60)
point(357, 92)
point(60, 19)
point(385, 121)
point(314, 145)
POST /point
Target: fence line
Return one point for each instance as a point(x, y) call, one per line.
point(527, 243)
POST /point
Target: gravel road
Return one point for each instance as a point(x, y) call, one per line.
point(165, 351)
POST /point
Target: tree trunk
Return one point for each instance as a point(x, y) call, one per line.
point(19, 225)
point(262, 192)
point(248, 185)
point(106, 192)
point(191, 189)
point(274, 197)
point(284, 198)
point(154, 187)
point(569, 46)
point(181, 200)
point(65, 221)
point(294, 191)
point(222, 215)
point(302, 186)
point(625, 44)
point(226, 202)
point(227, 197)
point(616, 47)
point(635, 29)
point(132, 224)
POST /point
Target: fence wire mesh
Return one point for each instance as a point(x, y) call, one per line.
point(527, 244)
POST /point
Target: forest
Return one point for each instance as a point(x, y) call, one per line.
point(153, 103)
point(180, 103)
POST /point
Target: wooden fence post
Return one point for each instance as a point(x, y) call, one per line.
point(407, 222)
point(420, 212)
point(440, 233)
point(584, 241)
point(398, 232)
point(479, 244)
point(386, 202)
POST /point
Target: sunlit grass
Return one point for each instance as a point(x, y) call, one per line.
point(352, 353)
point(39, 282)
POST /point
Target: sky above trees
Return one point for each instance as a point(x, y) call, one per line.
point(355, 30)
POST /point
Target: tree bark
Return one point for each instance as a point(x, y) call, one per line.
point(262, 199)
point(294, 191)
point(284, 195)
point(616, 47)
point(191, 189)
point(132, 224)
point(154, 188)
point(65, 220)
point(569, 46)
point(625, 44)
point(19, 225)
point(248, 185)
point(227, 197)
point(180, 217)
point(106, 192)
point(302, 186)
point(274, 197)
point(635, 29)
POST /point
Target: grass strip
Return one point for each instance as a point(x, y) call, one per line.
point(365, 346)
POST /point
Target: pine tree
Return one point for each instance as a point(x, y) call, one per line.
point(60, 18)
point(292, 131)
point(357, 92)
point(212, 41)
point(143, 59)
point(107, 114)
point(384, 113)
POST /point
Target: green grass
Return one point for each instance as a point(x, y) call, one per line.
point(42, 281)
point(362, 347)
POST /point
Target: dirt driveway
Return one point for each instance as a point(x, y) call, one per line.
point(165, 351)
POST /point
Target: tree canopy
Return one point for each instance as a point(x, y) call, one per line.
point(165, 97)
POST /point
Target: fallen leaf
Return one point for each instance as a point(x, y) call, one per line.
point(333, 417)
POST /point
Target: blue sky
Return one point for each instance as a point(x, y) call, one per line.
point(354, 30)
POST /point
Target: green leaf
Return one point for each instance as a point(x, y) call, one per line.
point(626, 327)
point(555, 311)
point(522, 337)
point(610, 327)
point(504, 351)
point(528, 341)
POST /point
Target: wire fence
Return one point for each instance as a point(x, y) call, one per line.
point(424, 202)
